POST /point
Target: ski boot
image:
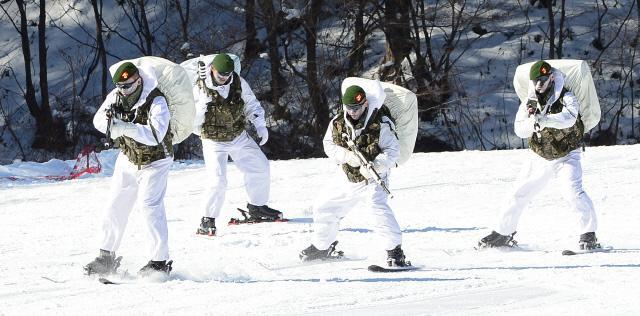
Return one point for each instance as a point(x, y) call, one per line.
point(588, 241)
point(312, 253)
point(156, 266)
point(207, 226)
point(263, 212)
point(495, 240)
point(396, 258)
point(106, 263)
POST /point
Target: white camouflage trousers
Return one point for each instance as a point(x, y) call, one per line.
point(248, 158)
point(534, 177)
point(337, 199)
point(147, 186)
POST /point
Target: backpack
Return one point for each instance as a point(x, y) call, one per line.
point(401, 102)
point(577, 79)
point(175, 84)
point(191, 65)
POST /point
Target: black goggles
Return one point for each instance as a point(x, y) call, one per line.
point(125, 86)
point(224, 74)
point(354, 107)
point(541, 79)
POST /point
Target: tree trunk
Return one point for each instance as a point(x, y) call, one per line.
point(318, 99)
point(184, 18)
point(552, 30)
point(398, 34)
point(252, 46)
point(30, 93)
point(271, 23)
point(356, 55)
point(420, 69)
point(47, 136)
point(102, 54)
point(146, 31)
point(559, 52)
point(42, 57)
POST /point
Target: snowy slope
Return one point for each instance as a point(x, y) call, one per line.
point(444, 202)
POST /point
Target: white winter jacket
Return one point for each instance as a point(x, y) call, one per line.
point(159, 115)
point(524, 125)
point(388, 141)
point(252, 109)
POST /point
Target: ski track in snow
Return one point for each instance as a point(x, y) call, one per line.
point(444, 203)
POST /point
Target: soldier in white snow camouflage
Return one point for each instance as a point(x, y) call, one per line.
point(551, 119)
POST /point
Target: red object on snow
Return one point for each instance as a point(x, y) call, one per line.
point(87, 162)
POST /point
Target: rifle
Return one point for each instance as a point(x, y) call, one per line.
point(534, 107)
point(108, 142)
point(367, 164)
point(202, 74)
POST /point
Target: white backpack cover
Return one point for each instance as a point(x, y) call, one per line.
point(191, 65)
point(175, 84)
point(577, 78)
point(403, 105)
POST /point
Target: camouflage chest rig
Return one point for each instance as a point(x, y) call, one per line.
point(366, 142)
point(139, 153)
point(225, 118)
point(556, 143)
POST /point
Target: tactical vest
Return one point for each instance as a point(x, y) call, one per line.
point(556, 143)
point(139, 153)
point(224, 119)
point(366, 142)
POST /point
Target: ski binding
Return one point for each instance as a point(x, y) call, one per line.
point(253, 220)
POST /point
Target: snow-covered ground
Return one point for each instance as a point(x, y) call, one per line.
point(444, 203)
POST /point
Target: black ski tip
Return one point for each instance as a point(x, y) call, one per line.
point(377, 268)
point(104, 280)
point(578, 252)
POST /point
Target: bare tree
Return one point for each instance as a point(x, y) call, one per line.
point(603, 47)
point(270, 20)
point(7, 125)
point(397, 30)
point(42, 56)
point(360, 33)
point(435, 57)
point(48, 134)
point(317, 97)
point(559, 48)
point(551, 32)
point(252, 44)
point(101, 53)
point(135, 11)
point(183, 14)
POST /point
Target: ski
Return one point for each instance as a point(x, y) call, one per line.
point(156, 277)
point(104, 280)
point(53, 280)
point(377, 268)
point(568, 252)
point(147, 276)
point(117, 278)
point(247, 219)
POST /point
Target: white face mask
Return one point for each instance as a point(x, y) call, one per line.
point(355, 113)
point(219, 78)
point(542, 83)
point(127, 88)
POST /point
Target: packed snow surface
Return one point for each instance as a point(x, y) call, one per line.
point(444, 202)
